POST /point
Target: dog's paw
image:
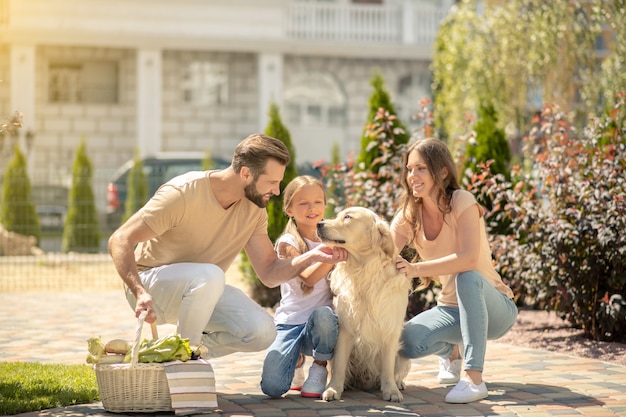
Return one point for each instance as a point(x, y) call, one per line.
point(393, 395)
point(331, 394)
point(390, 391)
point(401, 385)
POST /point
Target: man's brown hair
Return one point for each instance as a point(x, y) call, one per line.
point(255, 150)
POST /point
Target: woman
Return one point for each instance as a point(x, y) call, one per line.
point(445, 225)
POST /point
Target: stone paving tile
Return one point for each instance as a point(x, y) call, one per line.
point(54, 328)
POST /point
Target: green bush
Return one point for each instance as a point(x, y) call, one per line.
point(18, 213)
point(380, 190)
point(567, 249)
point(520, 53)
point(137, 186)
point(370, 157)
point(277, 220)
point(81, 232)
point(488, 144)
point(334, 192)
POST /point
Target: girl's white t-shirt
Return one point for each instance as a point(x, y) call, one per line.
point(294, 307)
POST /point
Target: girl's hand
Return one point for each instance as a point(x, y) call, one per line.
point(405, 267)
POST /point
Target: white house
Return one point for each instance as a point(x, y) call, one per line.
point(192, 75)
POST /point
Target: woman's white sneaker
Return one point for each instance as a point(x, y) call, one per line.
point(449, 371)
point(466, 392)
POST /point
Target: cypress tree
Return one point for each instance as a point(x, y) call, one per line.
point(370, 141)
point(81, 232)
point(137, 186)
point(18, 213)
point(334, 190)
point(490, 144)
point(277, 220)
point(276, 129)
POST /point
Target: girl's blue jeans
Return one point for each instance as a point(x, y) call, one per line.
point(483, 314)
point(316, 337)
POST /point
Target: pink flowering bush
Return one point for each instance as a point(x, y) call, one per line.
point(565, 248)
point(557, 227)
point(379, 191)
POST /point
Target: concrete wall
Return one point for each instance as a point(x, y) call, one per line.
point(108, 129)
point(249, 38)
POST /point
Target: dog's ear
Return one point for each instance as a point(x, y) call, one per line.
point(385, 241)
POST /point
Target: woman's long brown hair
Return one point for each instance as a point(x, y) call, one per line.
point(437, 157)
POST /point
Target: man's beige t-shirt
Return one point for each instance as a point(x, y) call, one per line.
point(446, 243)
point(191, 225)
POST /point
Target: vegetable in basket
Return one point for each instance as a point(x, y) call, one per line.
point(98, 353)
point(164, 349)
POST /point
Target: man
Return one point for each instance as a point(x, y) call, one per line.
point(173, 252)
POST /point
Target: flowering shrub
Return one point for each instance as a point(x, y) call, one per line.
point(380, 189)
point(565, 249)
point(564, 244)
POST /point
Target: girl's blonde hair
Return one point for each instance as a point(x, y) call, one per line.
point(290, 191)
point(437, 157)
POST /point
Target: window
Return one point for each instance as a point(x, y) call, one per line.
point(314, 113)
point(336, 116)
point(292, 112)
point(205, 83)
point(83, 82)
point(315, 99)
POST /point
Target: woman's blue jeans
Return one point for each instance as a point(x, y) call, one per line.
point(483, 314)
point(316, 337)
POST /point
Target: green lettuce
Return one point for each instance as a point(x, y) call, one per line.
point(164, 349)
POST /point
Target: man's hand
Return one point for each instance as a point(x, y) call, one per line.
point(144, 303)
point(329, 254)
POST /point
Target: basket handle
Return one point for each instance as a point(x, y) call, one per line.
point(155, 335)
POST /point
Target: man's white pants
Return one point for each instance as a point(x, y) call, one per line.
point(195, 297)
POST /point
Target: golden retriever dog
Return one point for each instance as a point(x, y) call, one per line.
point(371, 301)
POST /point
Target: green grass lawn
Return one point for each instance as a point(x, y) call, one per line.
point(26, 387)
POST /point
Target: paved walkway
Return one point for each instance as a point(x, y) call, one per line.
point(53, 328)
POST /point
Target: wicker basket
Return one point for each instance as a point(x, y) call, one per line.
point(134, 387)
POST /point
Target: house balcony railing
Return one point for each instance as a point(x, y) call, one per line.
point(186, 23)
point(406, 22)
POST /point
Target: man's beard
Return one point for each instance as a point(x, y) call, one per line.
point(252, 195)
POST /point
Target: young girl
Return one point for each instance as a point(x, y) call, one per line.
point(445, 225)
point(305, 320)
